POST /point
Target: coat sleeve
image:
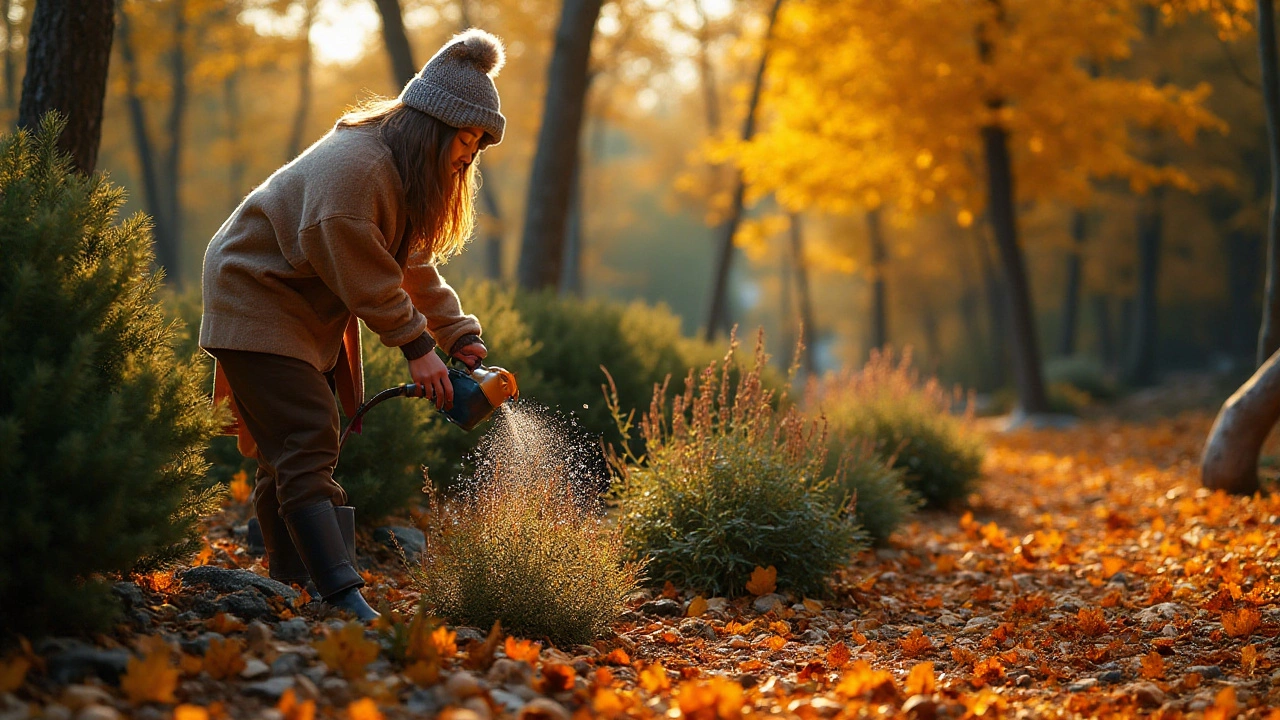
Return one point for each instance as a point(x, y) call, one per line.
point(350, 255)
point(439, 303)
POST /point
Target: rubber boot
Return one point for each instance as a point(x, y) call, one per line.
point(283, 563)
point(317, 535)
point(347, 524)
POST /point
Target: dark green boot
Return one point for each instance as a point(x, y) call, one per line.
point(317, 534)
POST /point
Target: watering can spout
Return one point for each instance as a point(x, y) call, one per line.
point(498, 384)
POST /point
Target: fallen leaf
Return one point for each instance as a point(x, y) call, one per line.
point(526, 650)
point(654, 679)
point(838, 655)
point(151, 678)
point(1225, 705)
point(364, 709)
point(987, 671)
point(224, 658)
point(556, 677)
point(240, 487)
point(480, 654)
point(697, 606)
point(445, 642)
point(669, 591)
point(862, 681)
point(921, 680)
point(1153, 667)
point(915, 643)
point(617, 656)
point(291, 709)
point(190, 712)
point(346, 651)
point(1248, 658)
point(224, 624)
point(763, 580)
point(1242, 622)
point(423, 673)
point(13, 672)
point(716, 697)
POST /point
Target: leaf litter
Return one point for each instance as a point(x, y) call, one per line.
point(1089, 576)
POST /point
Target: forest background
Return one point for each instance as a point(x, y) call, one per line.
point(1139, 272)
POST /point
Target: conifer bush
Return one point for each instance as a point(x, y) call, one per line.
point(730, 482)
point(909, 422)
point(102, 427)
point(527, 542)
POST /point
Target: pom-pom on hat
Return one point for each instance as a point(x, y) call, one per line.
point(456, 85)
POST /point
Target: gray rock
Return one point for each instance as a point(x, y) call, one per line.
point(950, 620)
point(225, 581)
point(129, 594)
point(98, 712)
point(546, 708)
point(81, 661)
point(717, 604)
point(510, 701)
point(506, 671)
point(664, 608)
point(425, 702)
point(814, 636)
point(79, 696)
point(288, 664)
point(199, 645)
point(1208, 672)
point(469, 634)
point(1159, 613)
point(337, 690)
point(1082, 685)
point(980, 624)
point(1023, 680)
point(765, 603)
point(410, 539)
point(269, 690)
point(254, 669)
point(316, 673)
point(247, 605)
point(1111, 676)
point(1147, 694)
point(697, 627)
point(292, 630)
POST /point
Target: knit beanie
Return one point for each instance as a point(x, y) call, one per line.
point(456, 85)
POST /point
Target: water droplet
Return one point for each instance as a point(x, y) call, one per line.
point(584, 406)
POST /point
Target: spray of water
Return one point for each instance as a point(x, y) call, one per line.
point(529, 446)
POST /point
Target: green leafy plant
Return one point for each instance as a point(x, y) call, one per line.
point(908, 422)
point(526, 543)
point(730, 483)
point(871, 485)
point(102, 426)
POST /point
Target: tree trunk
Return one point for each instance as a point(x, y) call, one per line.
point(879, 295)
point(718, 315)
point(706, 73)
point(1244, 250)
point(1106, 335)
point(547, 209)
point(808, 330)
point(1230, 459)
point(68, 51)
point(397, 42)
point(174, 127)
point(1027, 372)
point(1142, 370)
point(997, 373)
point(235, 166)
point(571, 278)
point(10, 67)
point(142, 143)
point(1071, 302)
point(1269, 333)
point(790, 321)
point(299, 127)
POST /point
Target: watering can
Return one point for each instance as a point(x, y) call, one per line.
point(476, 394)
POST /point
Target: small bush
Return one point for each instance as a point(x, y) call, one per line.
point(527, 543)
point(875, 489)
point(102, 427)
point(730, 483)
point(908, 422)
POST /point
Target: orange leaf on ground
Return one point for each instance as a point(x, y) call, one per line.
point(763, 580)
point(556, 677)
point(526, 650)
point(1248, 658)
point(1225, 705)
point(654, 678)
point(224, 658)
point(190, 712)
point(717, 697)
point(921, 680)
point(617, 656)
point(480, 654)
point(775, 642)
point(151, 678)
point(1091, 621)
point(987, 672)
point(1152, 666)
point(240, 487)
point(346, 651)
point(294, 710)
point(669, 590)
point(224, 624)
point(364, 709)
point(1242, 622)
point(861, 681)
point(423, 672)
point(445, 642)
point(13, 672)
point(697, 606)
point(838, 655)
point(915, 643)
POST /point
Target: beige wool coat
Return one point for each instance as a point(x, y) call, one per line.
point(312, 251)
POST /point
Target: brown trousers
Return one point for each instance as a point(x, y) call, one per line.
point(290, 411)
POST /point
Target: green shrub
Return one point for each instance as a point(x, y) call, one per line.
point(526, 544)
point(874, 487)
point(102, 427)
point(908, 422)
point(730, 483)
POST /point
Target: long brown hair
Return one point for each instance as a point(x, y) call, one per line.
point(440, 203)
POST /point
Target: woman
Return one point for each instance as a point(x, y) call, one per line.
point(350, 230)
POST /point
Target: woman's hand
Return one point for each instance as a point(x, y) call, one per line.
point(432, 378)
point(471, 355)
